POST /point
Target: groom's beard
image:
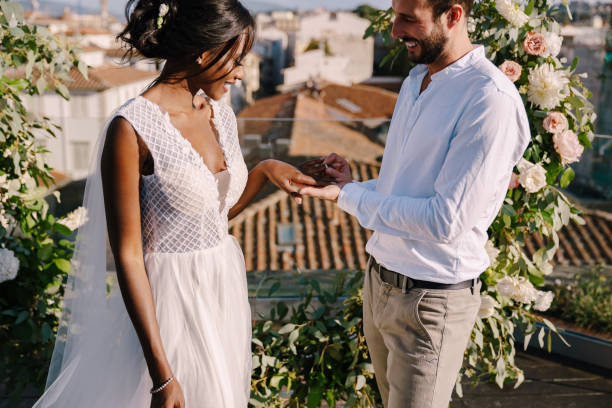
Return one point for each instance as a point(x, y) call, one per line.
point(431, 47)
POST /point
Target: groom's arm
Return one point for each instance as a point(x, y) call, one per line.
point(489, 139)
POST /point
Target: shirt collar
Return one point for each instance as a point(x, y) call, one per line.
point(468, 59)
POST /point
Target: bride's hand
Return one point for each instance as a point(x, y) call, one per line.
point(170, 397)
point(287, 177)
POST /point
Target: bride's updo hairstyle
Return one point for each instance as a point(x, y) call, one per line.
point(181, 30)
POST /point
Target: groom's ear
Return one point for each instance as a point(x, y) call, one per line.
point(454, 15)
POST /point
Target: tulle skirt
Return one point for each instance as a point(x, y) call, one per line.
point(202, 308)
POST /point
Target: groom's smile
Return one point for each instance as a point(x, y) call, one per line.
point(423, 34)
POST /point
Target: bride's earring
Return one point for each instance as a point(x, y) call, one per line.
point(199, 60)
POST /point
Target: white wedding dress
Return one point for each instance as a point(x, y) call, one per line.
point(196, 272)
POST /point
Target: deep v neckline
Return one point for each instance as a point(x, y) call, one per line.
point(186, 142)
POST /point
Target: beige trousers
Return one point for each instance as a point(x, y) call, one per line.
point(416, 340)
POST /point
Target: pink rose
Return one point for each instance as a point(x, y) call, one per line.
point(511, 69)
point(568, 146)
point(514, 181)
point(555, 122)
point(534, 43)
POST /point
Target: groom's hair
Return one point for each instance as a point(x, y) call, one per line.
point(442, 6)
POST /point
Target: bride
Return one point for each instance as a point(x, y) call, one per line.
point(167, 176)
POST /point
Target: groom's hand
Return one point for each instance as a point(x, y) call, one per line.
point(339, 169)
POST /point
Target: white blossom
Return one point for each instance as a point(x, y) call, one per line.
point(553, 44)
point(531, 176)
point(547, 86)
point(7, 221)
point(75, 219)
point(491, 251)
point(543, 301)
point(505, 286)
point(487, 306)
point(524, 291)
point(471, 25)
point(9, 265)
point(163, 9)
point(512, 12)
point(517, 288)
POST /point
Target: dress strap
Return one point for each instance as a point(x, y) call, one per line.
point(150, 123)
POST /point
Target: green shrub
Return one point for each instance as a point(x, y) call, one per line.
point(34, 252)
point(586, 301)
point(318, 353)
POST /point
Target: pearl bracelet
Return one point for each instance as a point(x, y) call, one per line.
point(162, 386)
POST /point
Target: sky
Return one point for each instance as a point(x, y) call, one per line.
point(116, 7)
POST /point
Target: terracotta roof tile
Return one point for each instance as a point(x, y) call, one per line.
point(106, 77)
point(330, 239)
point(367, 101)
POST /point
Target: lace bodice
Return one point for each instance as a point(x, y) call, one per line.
point(181, 210)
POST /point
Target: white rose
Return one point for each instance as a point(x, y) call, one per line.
point(543, 301)
point(531, 176)
point(511, 12)
point(9, 265)
point(517, 288)
point(487, 306)
point(75, 219)
point(505, 286)
point(553, 44)
point(524, 291)
point(491, 251)
point(547, 86)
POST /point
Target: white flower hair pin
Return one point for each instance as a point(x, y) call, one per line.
point(163, 10)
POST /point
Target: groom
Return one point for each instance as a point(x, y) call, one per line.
point(458, 129)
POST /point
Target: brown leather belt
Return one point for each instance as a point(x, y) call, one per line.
point(404, 283)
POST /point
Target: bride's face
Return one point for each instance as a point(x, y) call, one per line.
point(217, 80)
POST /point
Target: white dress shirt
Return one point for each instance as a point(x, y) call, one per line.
point(445, 172)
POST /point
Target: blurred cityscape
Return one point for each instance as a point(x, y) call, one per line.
point(313, 85)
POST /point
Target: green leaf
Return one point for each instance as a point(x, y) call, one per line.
point(82, 67)
point(567, 177)
point(45, 252)
point(541, 337)
point(500, 375)
point(574, 64)
point(584, 140)
point(294, 336)
point(62, 264)
point(575, 101)
point(62, 229)
point(274, 288)
point(12, 9)
point(507, 220)
point(41, 85)
point(23, 315)
point(529, 8)
point(47, 334)
point(62, 90)
point(315, 396)
point(286, 328)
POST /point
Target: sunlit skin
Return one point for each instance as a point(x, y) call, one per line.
point(414, 22)
point(125, 159)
